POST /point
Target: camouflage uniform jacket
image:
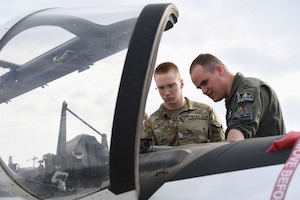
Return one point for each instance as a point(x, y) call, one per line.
point(194, 123)
point(253, 108)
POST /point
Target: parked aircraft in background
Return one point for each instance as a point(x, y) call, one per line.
point(114, 49)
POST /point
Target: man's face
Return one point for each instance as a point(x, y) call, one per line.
point(208, 82)
point(169, 87)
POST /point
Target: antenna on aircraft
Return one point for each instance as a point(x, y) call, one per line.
point(34, 158)
point(61, 149)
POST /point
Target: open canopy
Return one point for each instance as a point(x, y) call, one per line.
point(65, 77)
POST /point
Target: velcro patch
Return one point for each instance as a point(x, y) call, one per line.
point(245, 96)
point(245, 116)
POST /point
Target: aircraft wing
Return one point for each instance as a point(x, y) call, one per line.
point(92, 42)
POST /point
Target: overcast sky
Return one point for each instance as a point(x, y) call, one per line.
point(255, 37)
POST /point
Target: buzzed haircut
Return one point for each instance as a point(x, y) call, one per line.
point(207, 61)
point(166, 67)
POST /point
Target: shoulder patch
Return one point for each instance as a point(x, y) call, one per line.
point(244, 96)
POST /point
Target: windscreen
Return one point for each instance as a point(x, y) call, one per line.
point(60, 71)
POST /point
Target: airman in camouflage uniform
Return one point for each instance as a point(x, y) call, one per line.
point(179, 121)
point(193, 123)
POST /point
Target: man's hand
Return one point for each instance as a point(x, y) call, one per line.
point(235, 135)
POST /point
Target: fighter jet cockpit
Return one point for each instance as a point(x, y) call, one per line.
point(56, 132)
point(73, 89)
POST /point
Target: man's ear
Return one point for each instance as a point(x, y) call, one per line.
point(220, 70)
point(181, 83)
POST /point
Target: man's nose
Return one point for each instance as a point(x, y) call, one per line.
point(166, 91)
point(204, 90)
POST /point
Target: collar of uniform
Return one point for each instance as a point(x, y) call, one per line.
point(236, 82)
point(187, 106)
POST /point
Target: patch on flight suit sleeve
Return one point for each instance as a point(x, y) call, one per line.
point(243, 114)
point(244, 96)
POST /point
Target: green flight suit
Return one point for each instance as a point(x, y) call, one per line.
point(253, 108)
point(193, 123)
